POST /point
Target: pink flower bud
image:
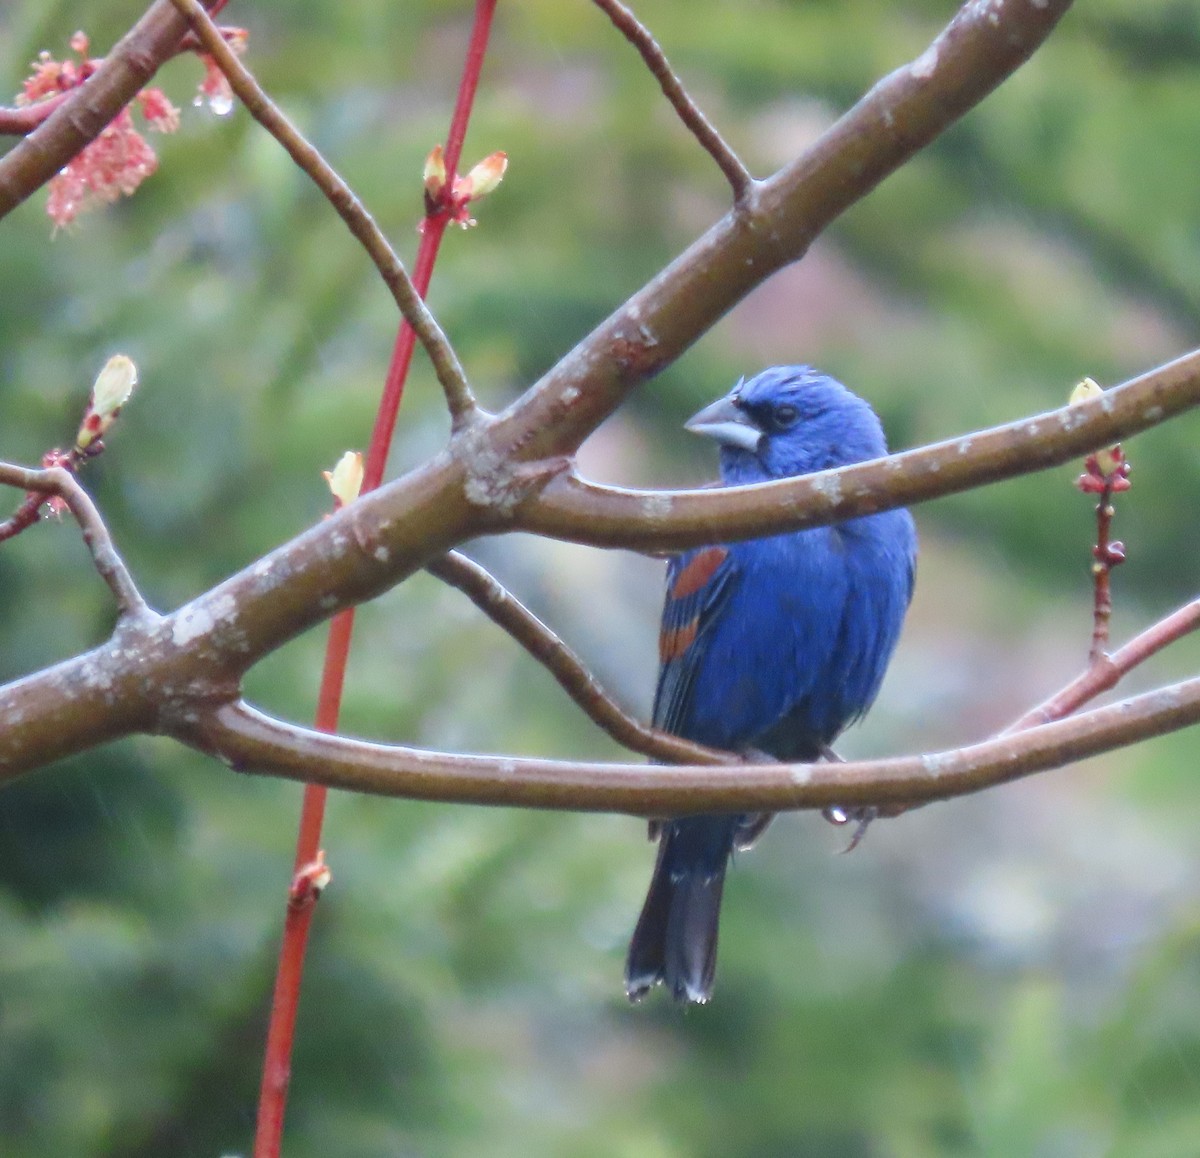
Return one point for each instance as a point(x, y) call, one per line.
point(483, 178)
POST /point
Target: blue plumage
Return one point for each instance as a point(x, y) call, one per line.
point(773, 645)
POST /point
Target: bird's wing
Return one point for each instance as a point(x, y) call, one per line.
point(698, 585)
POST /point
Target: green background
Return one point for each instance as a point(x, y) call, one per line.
point(1013, 974)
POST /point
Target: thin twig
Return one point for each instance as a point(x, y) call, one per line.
point(505, 610)
point(689, 112)
point(1105, 555)
point(459, 399)
point(112, 569)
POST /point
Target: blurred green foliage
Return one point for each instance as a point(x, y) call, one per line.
point(1016, 974)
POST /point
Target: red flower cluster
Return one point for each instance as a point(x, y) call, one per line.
point(119, 159)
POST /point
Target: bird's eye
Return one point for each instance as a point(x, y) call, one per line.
point(785, 415)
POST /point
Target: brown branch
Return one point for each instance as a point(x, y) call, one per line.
point(109, 564)
point(450, 374)
point(583, 512)
point(505, 610)
point(250, 741)
point(191, 660)
point(79, 120)
point(689, 112)
point(1105, 673)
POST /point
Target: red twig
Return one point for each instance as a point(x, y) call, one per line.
point(309, 859)
point(1101, 570)
point(302, 898)
point(24, 516)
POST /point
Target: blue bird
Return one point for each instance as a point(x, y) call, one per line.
point(772, 645)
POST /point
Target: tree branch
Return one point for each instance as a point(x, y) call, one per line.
point(109, 564)
point(459, 399)
point(689, 112)
point(583, 512)
point(196, 656)
point(507, 612)
point(250, 741)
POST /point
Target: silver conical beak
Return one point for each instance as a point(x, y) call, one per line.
point(727, 424)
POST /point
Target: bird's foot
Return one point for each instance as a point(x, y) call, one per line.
point(860, 817)
point(753, 824)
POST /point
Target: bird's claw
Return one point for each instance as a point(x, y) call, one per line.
point(860, 817)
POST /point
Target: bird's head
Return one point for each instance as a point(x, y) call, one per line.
point(786, 421)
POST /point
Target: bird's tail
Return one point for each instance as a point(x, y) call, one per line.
point(675, 940)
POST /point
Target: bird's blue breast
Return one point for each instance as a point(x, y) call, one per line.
point(798, 646)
